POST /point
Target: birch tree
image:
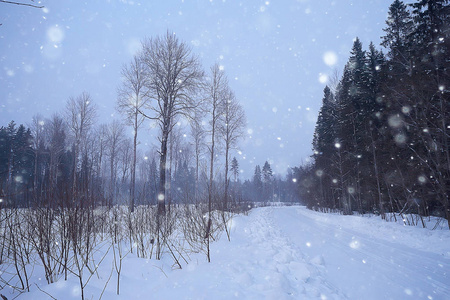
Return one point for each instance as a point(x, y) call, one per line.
point(132, 96)
point(216, 88)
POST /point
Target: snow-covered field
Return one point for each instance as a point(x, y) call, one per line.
point(286, 253)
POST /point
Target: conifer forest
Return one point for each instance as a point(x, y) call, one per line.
point(381, 142)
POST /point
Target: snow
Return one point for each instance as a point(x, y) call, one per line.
point(285, 253)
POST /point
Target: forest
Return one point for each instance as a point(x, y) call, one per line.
point(381, 142)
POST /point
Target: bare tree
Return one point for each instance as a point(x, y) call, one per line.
point(56, 136)
point(198, 136)
point(37, 129)
point(174, 78)
point(216, 88)
point(102, 143)
point(81, 114)
point(232, 129)
point(22, 4)
point(115, 137)
point(132, 96)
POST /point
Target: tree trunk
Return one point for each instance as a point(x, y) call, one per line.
point(133, 165)
point(162, 174)
point(225, 199)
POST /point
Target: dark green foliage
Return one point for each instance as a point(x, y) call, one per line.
point(234, 168)
point(183, 184)
point(382, 142)
point(257, 185)
point(17, 165)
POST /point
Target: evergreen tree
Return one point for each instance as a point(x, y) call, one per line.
point(391, 132)
point(432, 30)
point(257, 184)
point(398, 37)
point(6, 137)
point(431, 82)
point(324, 140)
point(234, 168)
point(21, 165)
point(267, 178)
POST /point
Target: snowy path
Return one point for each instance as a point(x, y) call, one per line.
point(293, 253)
point(363, 265)
point(290, 253)
point(259, 263)
point(275, 268)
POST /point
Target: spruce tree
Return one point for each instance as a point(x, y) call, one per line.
point(398, 37)
point(267, 176)
point(234, 168)
point(257, 184)
point(324, 140)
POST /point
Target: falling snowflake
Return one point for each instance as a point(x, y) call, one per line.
point(330, 58)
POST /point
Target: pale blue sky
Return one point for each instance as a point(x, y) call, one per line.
point(276, 55)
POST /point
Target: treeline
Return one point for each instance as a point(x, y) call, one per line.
point(381, 142)
point(37, 167)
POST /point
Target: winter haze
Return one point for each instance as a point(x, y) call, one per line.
point(278, 56)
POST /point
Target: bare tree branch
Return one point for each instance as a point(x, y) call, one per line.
point(23, 4)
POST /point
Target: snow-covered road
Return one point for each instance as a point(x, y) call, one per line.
point(294, 253)
point(289, 253)
point(360, 261)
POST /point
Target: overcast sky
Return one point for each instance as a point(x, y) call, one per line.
point(276, 54)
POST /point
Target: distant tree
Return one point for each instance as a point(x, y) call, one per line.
point(22, 167)
point(234, 168)
point(198, 139)
point(6, 135)
point(154, 178)
point(81, 114)
point(115, 137)
point(267, 180)
point(37, 129)
point(257, 184)
point(58, 170)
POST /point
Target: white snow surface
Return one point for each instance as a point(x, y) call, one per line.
point(286, 253)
